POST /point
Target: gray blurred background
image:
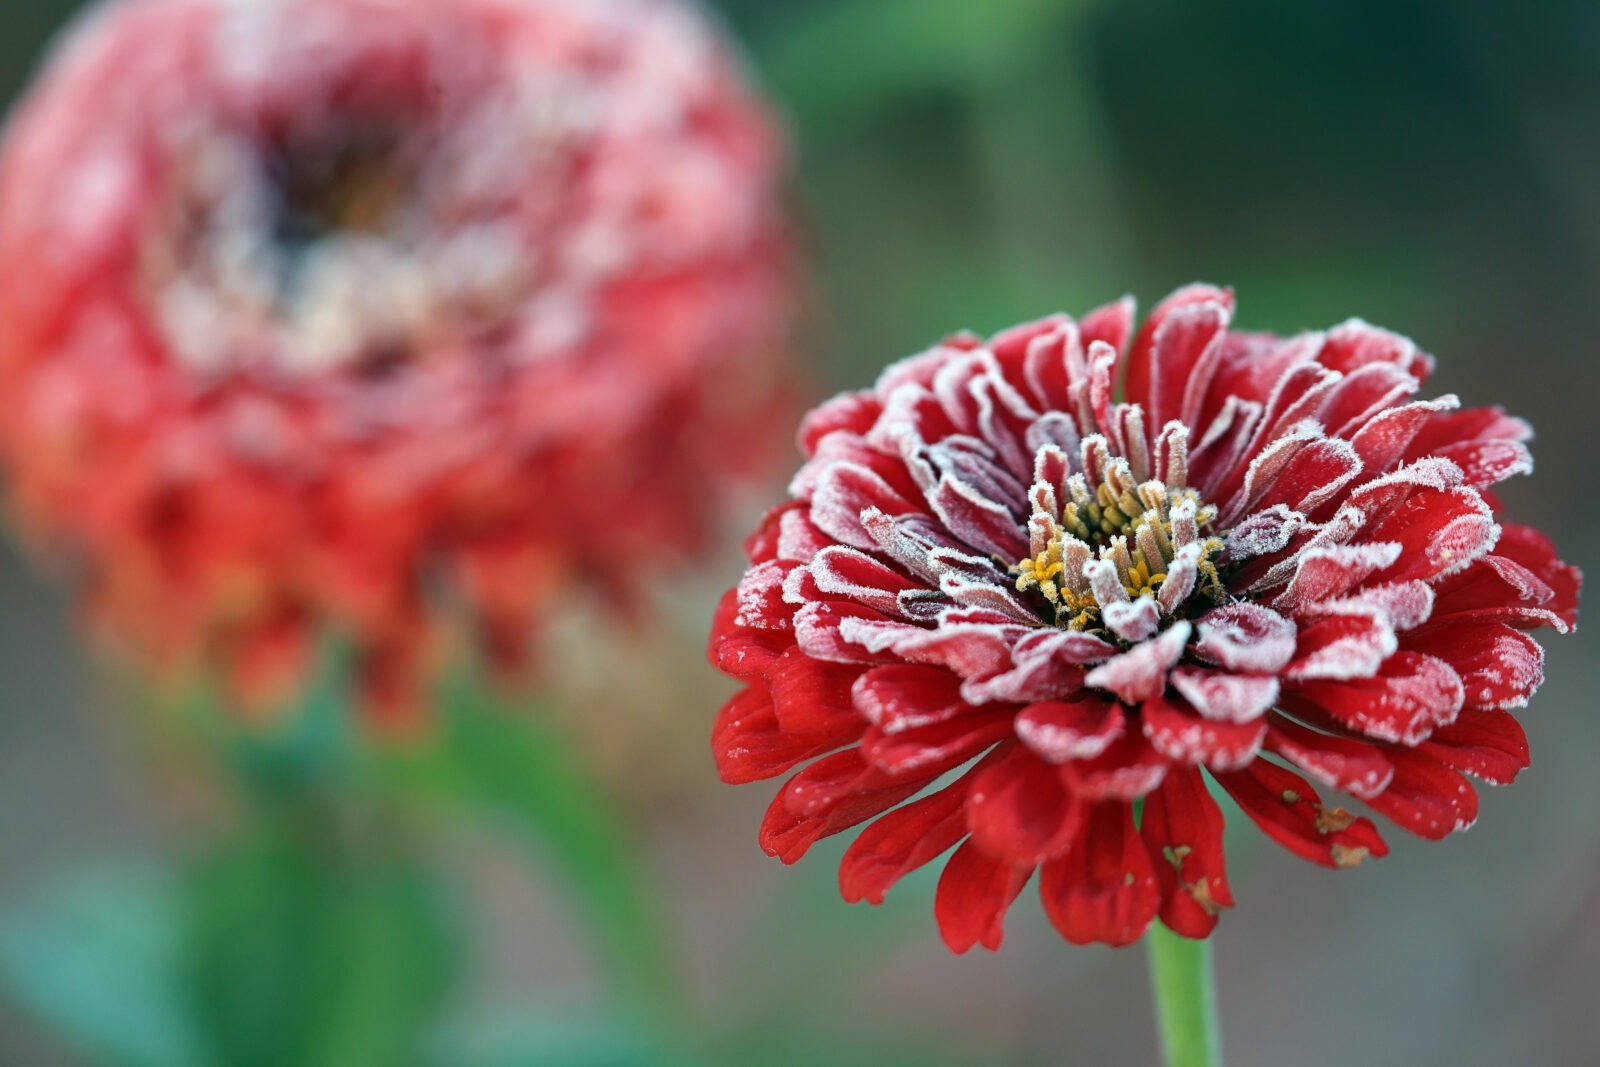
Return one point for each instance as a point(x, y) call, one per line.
point(1432, 167)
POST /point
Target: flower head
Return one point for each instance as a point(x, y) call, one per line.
point(309, 308)
point(1011, 614)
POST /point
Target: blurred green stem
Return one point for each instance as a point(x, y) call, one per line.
point(1182, 980)
point(519, 767)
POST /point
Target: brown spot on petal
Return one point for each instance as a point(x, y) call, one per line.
point(1291, 797)
point(1175, 855)
point(1345, 857)
point(1332, 820)
point(1201, 892)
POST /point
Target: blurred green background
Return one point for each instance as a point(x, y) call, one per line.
point(1433, 167)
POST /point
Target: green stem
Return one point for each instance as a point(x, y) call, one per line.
point(1184, 987)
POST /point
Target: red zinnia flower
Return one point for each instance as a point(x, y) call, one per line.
point(1266, 556)
point(305, 301)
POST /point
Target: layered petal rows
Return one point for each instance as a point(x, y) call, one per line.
point(1040, 599)
point(312, 308)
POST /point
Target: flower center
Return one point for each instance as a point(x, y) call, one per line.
point(1119, 540)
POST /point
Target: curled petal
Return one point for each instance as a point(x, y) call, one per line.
point(1246, 638)
point(1081, 729)
point(1223, 696)
point(1141, 672)
point(1425, 796)
point(1184, 737)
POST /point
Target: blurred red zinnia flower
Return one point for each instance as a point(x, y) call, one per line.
point(1266, 565)
point(304, 302)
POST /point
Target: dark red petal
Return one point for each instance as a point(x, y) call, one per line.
point(1425, 796)
point(749, 745)
point(934, 749)
point(813, 697)
point(900, 696)
point(1289, 811)
point(1496, 589)
point(1356, 767)
point(1019, 811)
point(1104, 888)
point(1246, 638)
point(1499, 667)
point(1182, 827)
point(1058, 731)
point(1485, 443)
point(1409, 697)
point(1485, 743)
point(974, 892)
point(1183, 736)
point(902, 840)
point(832, 794)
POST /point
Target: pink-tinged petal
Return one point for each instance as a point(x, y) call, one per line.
point(1535, 551)
point(749, 744)
point(1289, 811)
point(902, 840)
point(1202, 312)
point(1104, 888)
point(1315, 474)
point(1111, 323)
point(1141, 672)
point(1331, 571)
point(1411, 696)
point(1246, 638)
point(1080, 729)
point(829, 796)
point(818, 631)
point(1398, 605)
point(1018, 810)
point(738, 650)
point(762, 544)
point(936, 748)
point(972, 650)
point(846, 490)
point(1439, 533)
point(1182, 355)
point(977, 520)
point(1484, 743)
point(1182, 829)
point(798, 537)
point(1499, 667)
point(1354, 344)
point(1342, 646)
point(1363, 394)
point(1355, 767)
point(1263, 533)
point(1225, 697)
point(760, 597)
point(1050, 366)
point(975, 891)
point(1426, 797)
point(1049, 664)
point(1127, 770)
point(1184, 737)
point(852, 413)
point(1133, 620)
point(845, 572)
point(901, 696)
point(1486, 443)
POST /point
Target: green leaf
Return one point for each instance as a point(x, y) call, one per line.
point(98, 958)
point(307, 953)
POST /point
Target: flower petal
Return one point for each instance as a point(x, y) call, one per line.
point(974, 894)
point(1182, 827)
point(1290, 812)
point(1019, 811)
point(1080, 729)
point(1104, 888)
point(1246, 638)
